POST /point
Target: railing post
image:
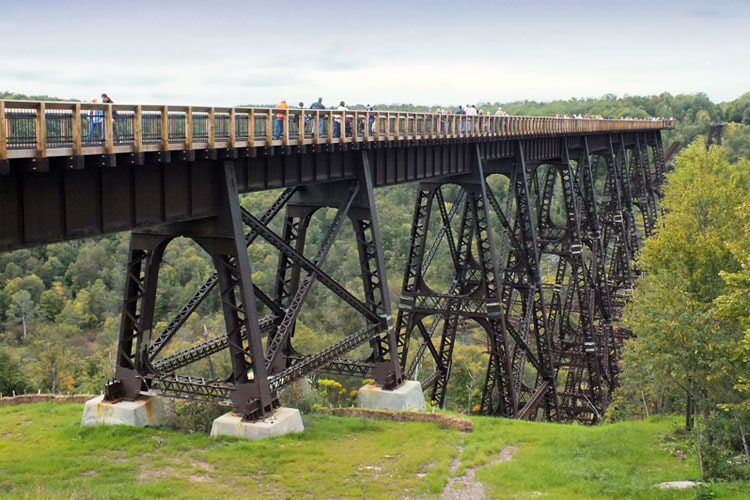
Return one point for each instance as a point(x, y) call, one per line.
point(251, 128)
point(316, 128)
point(342, 127)
point(164, 128)
point(3, 133)
point(355, 127)
point(301, 126)
point(189, 128)
point(269, 127)
point(285, 127)
point(41, 131)
point(329, 129)
point(211, 129)
point(76, 130)
point(109, 130)
point(232, 130)
point(138, 129)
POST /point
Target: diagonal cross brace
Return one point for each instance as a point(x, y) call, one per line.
point(308, 266)
point(310, 364)
point(204, 349)
point(166, 335)
point(295, 305)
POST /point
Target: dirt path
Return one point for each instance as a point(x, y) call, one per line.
point(467, 487)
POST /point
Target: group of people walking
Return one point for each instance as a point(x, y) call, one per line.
point(278, 126)
point(470, 110)
point(95, 118)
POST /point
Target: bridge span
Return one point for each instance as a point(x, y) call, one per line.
point(581, 194)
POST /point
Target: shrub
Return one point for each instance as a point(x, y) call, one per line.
point(196, 417)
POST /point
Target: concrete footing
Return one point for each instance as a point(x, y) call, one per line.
point(283, 421)
point(407, 397)
point(146, 411)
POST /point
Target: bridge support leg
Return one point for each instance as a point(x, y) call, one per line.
point(473, 295)
point(136, 373)
point(390, 391)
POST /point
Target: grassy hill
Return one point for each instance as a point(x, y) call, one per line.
point(44, 452)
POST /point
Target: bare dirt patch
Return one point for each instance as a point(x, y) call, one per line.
point(200, 464)
point(204, 478)
point(443, 420)
point(145, 474)
point(40, 398)
point(467, 487)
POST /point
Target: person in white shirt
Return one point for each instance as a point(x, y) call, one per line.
point(471, 112)
point(337, 120)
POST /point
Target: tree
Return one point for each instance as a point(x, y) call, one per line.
point(11, 379)
point(687, 318)
point(21, 310)
point(52, 301)
point(51, 362)
point(672, 312)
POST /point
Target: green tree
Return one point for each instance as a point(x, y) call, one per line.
point(11, 379)
point(52, 302)
point(21, 310)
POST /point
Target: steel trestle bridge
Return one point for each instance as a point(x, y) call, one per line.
point(578, 197)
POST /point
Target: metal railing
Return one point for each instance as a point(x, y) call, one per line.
point(31, 129)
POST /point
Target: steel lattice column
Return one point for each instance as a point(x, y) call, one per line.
point(222, 238)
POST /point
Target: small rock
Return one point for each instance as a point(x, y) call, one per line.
point(677, 485)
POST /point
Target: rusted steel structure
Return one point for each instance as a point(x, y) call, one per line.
point(574, 195)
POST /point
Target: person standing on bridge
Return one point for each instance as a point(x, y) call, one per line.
point(337, 120)
point(470, 111)
point(107, 100)
point(278, 124)
point(96, 119)
point(321, 119)
point(370, 120)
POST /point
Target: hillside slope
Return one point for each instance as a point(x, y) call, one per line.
point(44, 452)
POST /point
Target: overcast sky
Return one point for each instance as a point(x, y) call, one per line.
point(423, 52)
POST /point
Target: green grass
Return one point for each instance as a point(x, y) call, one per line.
point(45, 453)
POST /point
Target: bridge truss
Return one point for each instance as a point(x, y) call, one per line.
point(524, 230)
point(552, 338)
point(542, 267)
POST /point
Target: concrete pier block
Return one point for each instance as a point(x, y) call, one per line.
point(408, 396)
point(283, 421)
point(146, 411)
